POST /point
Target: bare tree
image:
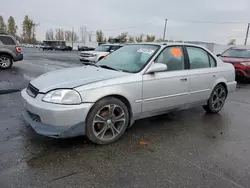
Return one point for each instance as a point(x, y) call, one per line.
point(139, 38)
point(69, 35)
point(123, 37)
point(150, 38)
point(59, 34)
point(90, 33)
point(131, 39)
point(99, 36)
point(49, 35)
point(2, 25)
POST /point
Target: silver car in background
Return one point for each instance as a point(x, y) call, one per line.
point(137, 81)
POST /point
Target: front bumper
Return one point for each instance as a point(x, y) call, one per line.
point(54, 120)
point(242, 71)
point(88, 59)
point(19, 57)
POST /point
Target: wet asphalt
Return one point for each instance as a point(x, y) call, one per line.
point(182, 149)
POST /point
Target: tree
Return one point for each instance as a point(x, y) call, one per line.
point(232, 42)
point(99, 36)
point(90, 33)
point(131, 39)
point(123, 37)
point(109, 39)
point(2, 25)
point(139, 38)
point(12, 27)
point(105, 40)
point(68, 35)
point(29, 30)
point(59, 34)
point(49, 35)
point(159, 40)
point(150, 38)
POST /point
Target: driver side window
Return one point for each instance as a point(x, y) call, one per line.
point(173, 57)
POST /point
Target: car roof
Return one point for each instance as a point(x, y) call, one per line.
point(240, 48)
point(111, 44)
point(167, 44)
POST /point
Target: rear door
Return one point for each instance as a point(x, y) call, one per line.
point(202, 69)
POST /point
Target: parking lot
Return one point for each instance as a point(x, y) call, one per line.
point(181, 149)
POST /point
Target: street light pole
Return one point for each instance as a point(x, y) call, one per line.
point(248, 26)
point(165, 27)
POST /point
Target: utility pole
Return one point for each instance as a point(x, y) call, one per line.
point(72, 37)
point(165, 27)
point(248, 26)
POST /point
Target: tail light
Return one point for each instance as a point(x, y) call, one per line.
point(18, 49)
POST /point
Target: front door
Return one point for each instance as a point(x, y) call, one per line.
point(169, 89)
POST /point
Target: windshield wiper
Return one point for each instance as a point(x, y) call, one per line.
point(108, 67)
point(91, 64)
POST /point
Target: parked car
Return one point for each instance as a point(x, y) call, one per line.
point(85, 48)
point(10, 51)
point(99, 52)
point(139, 80)
point(47, 47)
point(240, 59)
point(63, 48)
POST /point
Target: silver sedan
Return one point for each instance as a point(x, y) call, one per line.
point(139, 80)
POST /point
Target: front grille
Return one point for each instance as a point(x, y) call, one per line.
point(34, 117)
point(32, 91)
point(85, 55)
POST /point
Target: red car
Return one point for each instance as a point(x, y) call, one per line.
point(240, 59)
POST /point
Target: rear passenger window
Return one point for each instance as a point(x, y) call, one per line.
point(172, 57)
point(212, 61)
point(198, 58)
point(6, 40)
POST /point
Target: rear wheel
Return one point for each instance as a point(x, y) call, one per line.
point(6, 62)
point(107, 121)
point(216, 100)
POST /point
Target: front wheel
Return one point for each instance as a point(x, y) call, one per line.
point(216, 100)
point(107, 121)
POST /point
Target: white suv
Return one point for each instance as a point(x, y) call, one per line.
point(99, 52)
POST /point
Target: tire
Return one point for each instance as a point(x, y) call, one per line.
point(6, 62)
point(112, 119)
point(216, 100)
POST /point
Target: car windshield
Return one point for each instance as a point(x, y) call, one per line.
point(130, 58)
point(237, 53)
point(103, 48)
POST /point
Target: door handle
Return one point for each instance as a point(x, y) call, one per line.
point(184, 79)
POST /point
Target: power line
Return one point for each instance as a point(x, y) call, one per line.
point(214, 22)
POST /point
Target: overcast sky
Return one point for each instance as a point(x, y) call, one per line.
point(137, 16)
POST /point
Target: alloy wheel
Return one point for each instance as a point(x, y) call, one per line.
point(218, 98)
point(4, 62)
point(109, 122)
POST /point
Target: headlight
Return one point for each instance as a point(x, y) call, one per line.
point(245, 63)
point(63, 96)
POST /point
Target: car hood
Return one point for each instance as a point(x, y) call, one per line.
point(94, 52)
point(234, 60)
point(73, 77)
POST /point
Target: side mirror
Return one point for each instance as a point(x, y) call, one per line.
point(218, 55)
point(157, 67)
